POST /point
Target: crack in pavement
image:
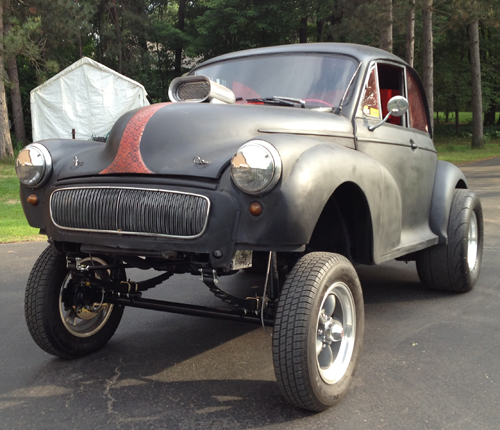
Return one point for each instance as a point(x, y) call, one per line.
point(107, 391)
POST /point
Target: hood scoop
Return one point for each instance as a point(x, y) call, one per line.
point(198, 89)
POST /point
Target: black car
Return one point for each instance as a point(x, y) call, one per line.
point(300, 161)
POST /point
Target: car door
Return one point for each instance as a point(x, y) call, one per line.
point(402, 145)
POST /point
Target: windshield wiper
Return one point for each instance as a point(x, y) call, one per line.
point(280, 101)
point(338, 109)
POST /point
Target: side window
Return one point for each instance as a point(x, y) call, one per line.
point(371, 106)
point(391, 81)
point(418, 117)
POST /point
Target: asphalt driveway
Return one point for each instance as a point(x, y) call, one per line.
point(430, 360)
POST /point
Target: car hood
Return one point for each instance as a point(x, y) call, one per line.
point(188, 139)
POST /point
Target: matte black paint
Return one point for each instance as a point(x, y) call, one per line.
point(448, 177)
point(407, 191)
point(179, 132)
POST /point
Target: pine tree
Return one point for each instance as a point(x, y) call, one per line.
point(6, 150)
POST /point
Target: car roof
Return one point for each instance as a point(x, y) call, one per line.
point(362, 53)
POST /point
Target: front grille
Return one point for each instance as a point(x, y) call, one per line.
point(130, 211)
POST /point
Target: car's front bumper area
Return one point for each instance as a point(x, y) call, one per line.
point(149, 216)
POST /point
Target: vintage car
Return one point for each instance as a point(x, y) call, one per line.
point(303, 160)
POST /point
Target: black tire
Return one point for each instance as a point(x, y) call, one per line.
point(307, 378)
point(455, 266)
point(56, 328)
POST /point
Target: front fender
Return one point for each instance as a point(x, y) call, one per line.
point(295, 206)
point(448, 178)
point(62, 152)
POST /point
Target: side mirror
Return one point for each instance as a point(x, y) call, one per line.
point(397, 106)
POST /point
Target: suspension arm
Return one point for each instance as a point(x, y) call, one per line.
point(186, 309)
point(125, 287)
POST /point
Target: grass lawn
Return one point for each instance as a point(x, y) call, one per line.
point(13, 224)
point(458, 150)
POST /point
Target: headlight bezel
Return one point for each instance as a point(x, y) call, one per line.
point(276, 162)
point(46, 166)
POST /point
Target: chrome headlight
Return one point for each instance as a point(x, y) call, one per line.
point(34, 165)
point(256, 167)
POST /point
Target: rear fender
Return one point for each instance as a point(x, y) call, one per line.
point(448, 178)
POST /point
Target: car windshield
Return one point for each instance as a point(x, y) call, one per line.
point(319, 79)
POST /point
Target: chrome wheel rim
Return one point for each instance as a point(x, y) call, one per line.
point(472, 242)
point(335, 333)
point(84, 321)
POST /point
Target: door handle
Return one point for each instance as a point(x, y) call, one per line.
point(413, 145)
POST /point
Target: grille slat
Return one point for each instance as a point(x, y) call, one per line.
point(130, 210)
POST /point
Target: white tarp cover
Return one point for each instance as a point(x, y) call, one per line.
point(87, 96)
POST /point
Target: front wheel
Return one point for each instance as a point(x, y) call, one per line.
point(64, 321)
point(318, 331)
point(455, 266)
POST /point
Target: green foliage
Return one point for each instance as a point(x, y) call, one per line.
point(456, 148)
point(16, 145)
point(222, 26)
point(140, 38)
point(445, 132)
point(23, 38)
point(452, 59)
point(452, 84)
point(66, 28)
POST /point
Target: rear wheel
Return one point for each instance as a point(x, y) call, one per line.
point(318, 331)
point(455, 266)
point(65, 321)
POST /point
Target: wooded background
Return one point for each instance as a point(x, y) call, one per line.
point(453, 44)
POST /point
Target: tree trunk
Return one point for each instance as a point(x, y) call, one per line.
point(17, 105)
point(335, 19)
point(428, 57)
point(477, 97)
point(99, 29)
point(80, 48)
point(5, 142)
point(180, 26)
point(303, 30)
point(386, 27)
point(457, 123)
point(15, 95)
point(410, 33)
point(118, 37)
point(320, 29)
point(489, 116)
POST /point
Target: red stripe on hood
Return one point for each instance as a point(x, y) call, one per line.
point(128, 158)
